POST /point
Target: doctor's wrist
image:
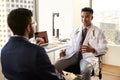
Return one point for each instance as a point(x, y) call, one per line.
point(93, 50)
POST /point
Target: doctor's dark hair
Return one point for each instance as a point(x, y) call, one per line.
point(87, 9)
point(18, 20)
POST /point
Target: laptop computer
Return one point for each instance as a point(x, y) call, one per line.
point(46, 44)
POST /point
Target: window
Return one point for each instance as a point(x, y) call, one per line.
point(7, 5)
point(5, 8)
point(24, 1)
point(107, 17)
point(7, 0)
point(21, 1)
point(2, 5)
point(21, 6)
point(17, 1)
point(17, 5)
point(28, 1)
point(25, 6)
point(12, 5)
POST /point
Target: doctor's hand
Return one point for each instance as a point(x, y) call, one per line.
point(39, 40)
point(62, 53)
point(87, 48)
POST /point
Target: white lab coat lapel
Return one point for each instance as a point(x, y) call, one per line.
point(74, 43)
point(78, 38)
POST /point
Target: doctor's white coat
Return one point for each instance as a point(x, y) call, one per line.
point(95, 38)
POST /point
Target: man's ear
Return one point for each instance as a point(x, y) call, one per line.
point(28, 28)
point(92, 18)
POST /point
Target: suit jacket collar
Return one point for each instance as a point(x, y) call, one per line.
point(19, 38)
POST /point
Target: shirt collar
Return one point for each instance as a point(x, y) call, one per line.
point(83, 27)
point(20, 36)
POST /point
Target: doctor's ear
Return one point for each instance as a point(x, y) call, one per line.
point(92, 18)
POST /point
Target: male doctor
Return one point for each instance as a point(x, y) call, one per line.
point(94, 44)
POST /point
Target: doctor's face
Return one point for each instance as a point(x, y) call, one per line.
point(86, 18)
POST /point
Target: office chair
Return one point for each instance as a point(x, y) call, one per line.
point(75, 68)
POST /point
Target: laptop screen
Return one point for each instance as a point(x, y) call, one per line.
point(42, 34)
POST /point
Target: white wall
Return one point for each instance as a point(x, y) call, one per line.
point(69, 15)
point(64, 21)
point(78, 5)
point(112, 57)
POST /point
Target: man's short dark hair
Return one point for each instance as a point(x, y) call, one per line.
point(18, 20)
point(87, 9)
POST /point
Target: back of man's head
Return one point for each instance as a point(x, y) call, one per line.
point(18, 20)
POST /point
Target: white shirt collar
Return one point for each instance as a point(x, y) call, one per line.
point(20, 36)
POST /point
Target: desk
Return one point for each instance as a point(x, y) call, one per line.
point(52, 47)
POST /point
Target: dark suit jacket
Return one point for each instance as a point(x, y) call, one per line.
point(22, 60)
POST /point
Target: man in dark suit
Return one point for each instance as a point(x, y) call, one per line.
point(20, 59)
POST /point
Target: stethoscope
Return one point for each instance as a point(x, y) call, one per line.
point(93, 33)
